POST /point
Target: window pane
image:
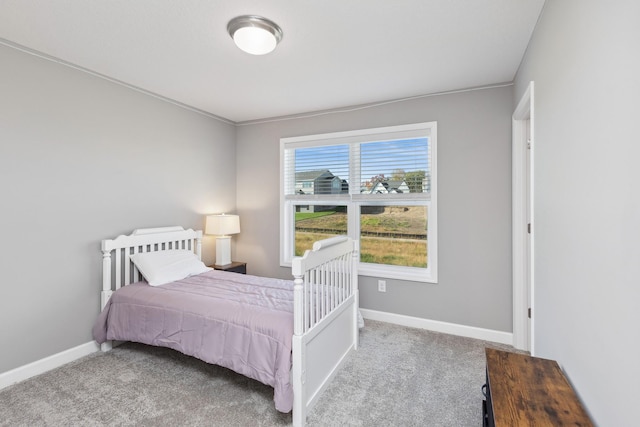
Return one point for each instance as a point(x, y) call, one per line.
point(394, 235)
point(322, 170)
point(317, 222)
point(400, 166)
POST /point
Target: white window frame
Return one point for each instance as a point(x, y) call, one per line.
point(354, 201)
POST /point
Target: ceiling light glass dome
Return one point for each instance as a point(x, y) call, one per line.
point(254, 34)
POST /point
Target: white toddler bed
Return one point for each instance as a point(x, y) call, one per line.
point(325, 301)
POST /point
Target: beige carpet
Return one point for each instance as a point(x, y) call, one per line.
point(399, 377)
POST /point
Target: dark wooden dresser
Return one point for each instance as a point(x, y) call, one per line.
point(529, 391)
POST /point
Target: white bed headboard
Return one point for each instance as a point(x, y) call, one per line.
point(117, 268)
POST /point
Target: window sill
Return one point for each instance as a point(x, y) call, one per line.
point(413, 274)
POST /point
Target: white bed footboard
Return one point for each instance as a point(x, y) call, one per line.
point(325, 318)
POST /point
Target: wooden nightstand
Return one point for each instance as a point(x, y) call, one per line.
point(234, 267)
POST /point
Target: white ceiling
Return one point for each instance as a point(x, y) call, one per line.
point(334, 53)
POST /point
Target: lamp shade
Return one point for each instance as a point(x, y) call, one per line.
point(222, 225)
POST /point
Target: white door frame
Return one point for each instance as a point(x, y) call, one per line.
point(523, 243)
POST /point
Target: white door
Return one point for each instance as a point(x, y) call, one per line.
point(529, 254)
point(523, 147)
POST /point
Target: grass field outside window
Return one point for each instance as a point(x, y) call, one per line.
point(389, 235)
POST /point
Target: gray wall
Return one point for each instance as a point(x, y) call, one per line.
point(474, 204)
point(83, 159)
point(584, 60)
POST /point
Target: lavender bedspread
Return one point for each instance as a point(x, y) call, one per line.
point(241, 322)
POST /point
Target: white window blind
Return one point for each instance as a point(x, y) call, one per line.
point(394, 167)
point(386, 162)
point(317, 170)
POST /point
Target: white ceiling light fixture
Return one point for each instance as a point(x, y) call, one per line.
point(254, 34)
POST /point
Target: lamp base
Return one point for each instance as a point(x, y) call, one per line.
point(223, 250)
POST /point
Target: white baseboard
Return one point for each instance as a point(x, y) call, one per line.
point(48, 363)
point(438, 326)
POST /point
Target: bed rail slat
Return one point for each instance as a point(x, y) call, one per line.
point(136, 273)
point(127, 266)
point(117, 269)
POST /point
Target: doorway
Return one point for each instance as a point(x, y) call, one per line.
point(522, 222)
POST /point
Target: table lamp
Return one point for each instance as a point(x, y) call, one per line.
point(222, 226)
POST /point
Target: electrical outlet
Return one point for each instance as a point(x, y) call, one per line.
point(382, 286)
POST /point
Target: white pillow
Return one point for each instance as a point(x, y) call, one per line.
point(168, 266)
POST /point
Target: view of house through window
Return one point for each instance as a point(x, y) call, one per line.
point(373, 186)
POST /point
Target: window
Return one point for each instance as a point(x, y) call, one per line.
point(376, 185)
